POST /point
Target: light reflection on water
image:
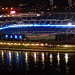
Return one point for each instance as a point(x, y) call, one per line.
point(35, 58)
point(24, 61)
point(43, 61)
point(51, 59)
point(58, 62)
point(66, 61)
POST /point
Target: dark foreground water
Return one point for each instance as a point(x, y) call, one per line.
point(36, 63)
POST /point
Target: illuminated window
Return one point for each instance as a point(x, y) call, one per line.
point(6, 36)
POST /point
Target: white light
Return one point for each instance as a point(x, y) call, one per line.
point(1, 16)
point(65, 45)
point(38, 14)
point(50, 45)
point(12, 12)
point(35, 57)
point(57, 45)
point(70, 24)
point(66, 58)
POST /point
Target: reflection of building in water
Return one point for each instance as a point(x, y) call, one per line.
point(58, 61)
point(51, 59)
point(66, 61)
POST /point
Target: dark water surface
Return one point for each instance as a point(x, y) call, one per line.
point(36, 63)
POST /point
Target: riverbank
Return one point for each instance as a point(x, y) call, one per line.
point(39, 49)
point(42, 47)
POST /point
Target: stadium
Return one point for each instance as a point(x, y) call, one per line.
point(43, 27)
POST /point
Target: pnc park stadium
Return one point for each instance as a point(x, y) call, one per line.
point(44, 27)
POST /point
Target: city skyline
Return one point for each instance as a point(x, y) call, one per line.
point(16, 2)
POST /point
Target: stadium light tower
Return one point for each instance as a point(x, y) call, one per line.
point(70, 4)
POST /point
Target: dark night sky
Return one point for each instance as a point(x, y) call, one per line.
point(15, 2)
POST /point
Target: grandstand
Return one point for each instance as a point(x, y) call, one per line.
point(34, 26)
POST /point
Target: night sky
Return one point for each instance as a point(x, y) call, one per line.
point(16, 2)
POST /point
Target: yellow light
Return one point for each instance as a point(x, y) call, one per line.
point(32, 44)
point(8, 43)
point(42, 44)
point(57, 45)
point(46, 44)
point(15, 44)
point(11, 43)
point(4, 43)
point(1, 43)
point(28, 44)
point(65, 45)
point(19, 44)
point(37, 44)
point(11, 8)
point(23, 44)
point(51, 58)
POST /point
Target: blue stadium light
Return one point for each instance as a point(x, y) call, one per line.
point(47, 25)
point(2, 28)
point(6, 36)
point(15, 36)
point(20, 37)
point(36, 25)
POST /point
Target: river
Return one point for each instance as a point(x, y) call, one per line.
point(36, 63)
